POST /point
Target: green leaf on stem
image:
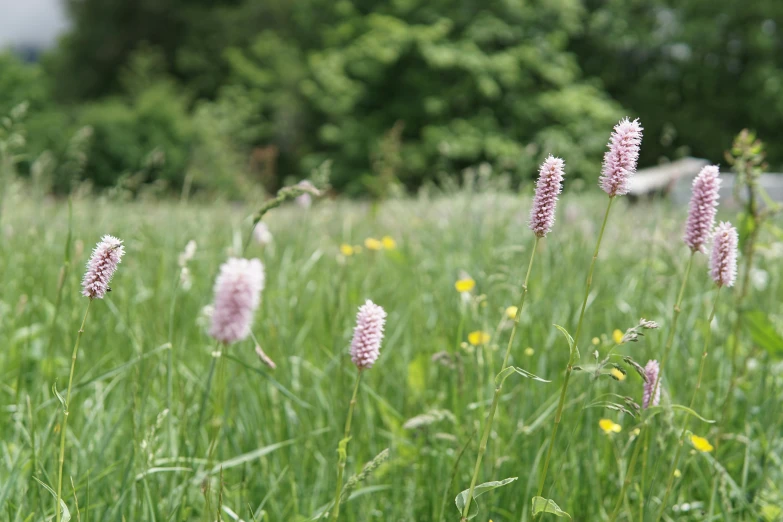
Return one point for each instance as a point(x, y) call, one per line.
point(546, 505)
point(478, 491)
point(571, 345)
point(66, 515)
point(612, 406)
point(59, 397)
point(503, 375)
point(342, 448)
point(655, 410)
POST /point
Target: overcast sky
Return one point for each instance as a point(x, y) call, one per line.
point(31, 22)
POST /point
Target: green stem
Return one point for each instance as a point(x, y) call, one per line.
point(170, 365)
point(456, 384)
point(454, 470)
point(628, 474)
point(283, 195)
point(667, 349)
point(66, 412)
point(62, 277)
point(498, 387)
point(342, 450)
point(644, 472)
point(681, 443)
point(675, 317)
point(735, 335)
point(220, 402)
point(743, 292)
point(569, 367)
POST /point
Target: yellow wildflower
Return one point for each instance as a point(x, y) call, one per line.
point(617, 336)
point(701, 444)
point(464, 285)
point(478, 338)
point(609, 426)
point(617, 374)
point(529, 351)
point(636, 432)
point(346, 250)
point(373, 244)
point(677, 473)
point(388, 243)
point(511, 312)
point(596, 341)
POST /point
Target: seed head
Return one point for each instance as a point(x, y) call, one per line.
point(237, 296)
point(650, 397)
point(723, 261)
point(703, 206)
point(101, 267)
point(548, 186)
point(650, 325)
point(305, 200)
point(367, 336)
point(188, 253)
point(621, 158)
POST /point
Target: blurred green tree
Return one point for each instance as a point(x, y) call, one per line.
point(469, 83)
point(696, 71)
point(399, 92)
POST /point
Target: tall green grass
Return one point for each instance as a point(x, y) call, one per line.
point(136, 448)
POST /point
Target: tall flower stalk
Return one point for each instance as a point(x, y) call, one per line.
point(702, 209)
point(747, 156)
point(619, 165)
point(365, 349)
point(100, 269)
point(542, 218)
point(237, 289)
point(701, 219)
point(723, 269)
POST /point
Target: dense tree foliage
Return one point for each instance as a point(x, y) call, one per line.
point(402, 91)
point(695, 71)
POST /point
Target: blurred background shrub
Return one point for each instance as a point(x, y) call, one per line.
point(223, 96)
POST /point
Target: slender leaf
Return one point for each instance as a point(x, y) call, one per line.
point(546, 505)
point(271, 380)
point(66, 515)
point(503, 375)
point(477, 492)
point(655, 410)
point(574, 350)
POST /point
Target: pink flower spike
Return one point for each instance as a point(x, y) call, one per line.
point(237, 296)
point(621, 158)
point(101, 267)
point(367, 336)
point(703, 207)
point(723, 261)
point(651, 398)
point(548, 186)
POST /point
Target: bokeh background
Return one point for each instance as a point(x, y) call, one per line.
point(221, 96)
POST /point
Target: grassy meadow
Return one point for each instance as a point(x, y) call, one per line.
point(138, 436)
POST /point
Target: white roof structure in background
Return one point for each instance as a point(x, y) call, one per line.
point(663, 178)
point(675, 179)
point(31, 23)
